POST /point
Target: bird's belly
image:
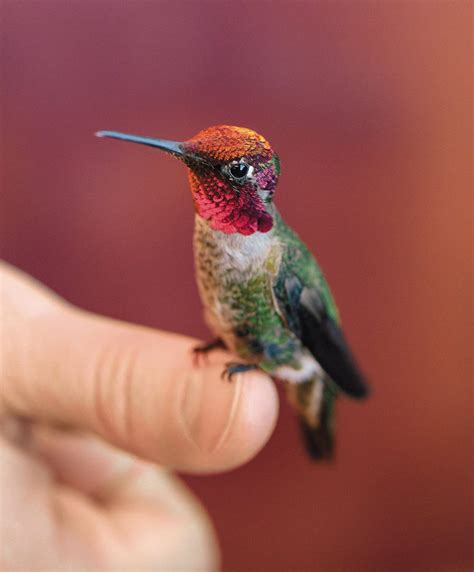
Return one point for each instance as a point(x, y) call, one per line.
point(226, 318)
point(251, 328)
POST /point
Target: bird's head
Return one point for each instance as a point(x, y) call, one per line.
point(233, 173)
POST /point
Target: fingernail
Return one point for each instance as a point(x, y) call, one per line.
point(208, 406)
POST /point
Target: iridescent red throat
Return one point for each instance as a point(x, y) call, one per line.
point(226, 209)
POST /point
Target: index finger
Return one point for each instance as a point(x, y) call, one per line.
point(136, 387)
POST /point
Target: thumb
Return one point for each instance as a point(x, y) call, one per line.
point(136, 387)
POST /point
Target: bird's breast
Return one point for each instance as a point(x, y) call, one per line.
point(232, 256)
point(225, 265)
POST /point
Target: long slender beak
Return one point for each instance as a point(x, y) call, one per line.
point(173, 147)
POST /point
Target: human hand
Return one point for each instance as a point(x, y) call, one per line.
point(91, 498)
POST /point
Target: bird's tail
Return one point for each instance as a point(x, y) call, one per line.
point(315, 402)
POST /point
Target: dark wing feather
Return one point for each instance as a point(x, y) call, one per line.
point(305, 303)
point(308, 317)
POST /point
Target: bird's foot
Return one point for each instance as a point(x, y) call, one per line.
point(233, 368)
point(204, 349)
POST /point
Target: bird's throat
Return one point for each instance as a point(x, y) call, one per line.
point(226, 209)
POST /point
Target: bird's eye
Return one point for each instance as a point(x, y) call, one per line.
point(239, 170)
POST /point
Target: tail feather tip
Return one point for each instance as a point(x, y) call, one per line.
point(318, 442)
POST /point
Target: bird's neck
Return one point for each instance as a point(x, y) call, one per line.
point(235, 251)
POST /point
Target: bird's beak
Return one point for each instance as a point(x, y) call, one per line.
point(173, 147)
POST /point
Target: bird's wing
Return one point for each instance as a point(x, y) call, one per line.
point(306, 304)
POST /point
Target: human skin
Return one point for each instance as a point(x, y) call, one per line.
point(95, 414)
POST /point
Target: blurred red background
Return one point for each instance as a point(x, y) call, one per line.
point(368, 106)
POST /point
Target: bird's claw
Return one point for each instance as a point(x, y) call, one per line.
point(204, 349)
point(233, 368)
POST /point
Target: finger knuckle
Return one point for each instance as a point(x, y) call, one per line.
point(114, 375)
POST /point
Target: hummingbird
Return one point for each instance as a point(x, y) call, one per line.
point(265, 297)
